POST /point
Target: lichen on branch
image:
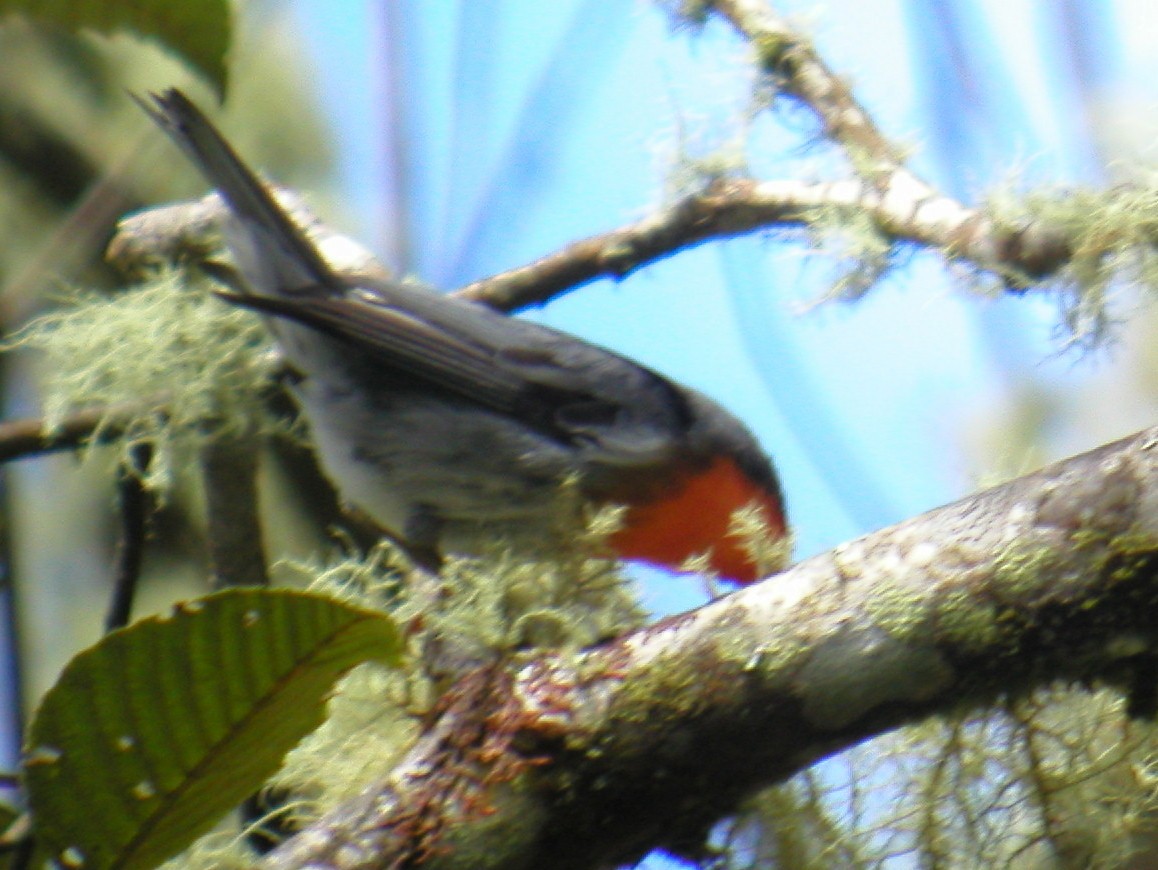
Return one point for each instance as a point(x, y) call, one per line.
point(168, 363)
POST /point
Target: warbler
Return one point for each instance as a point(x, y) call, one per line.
point(452, 424)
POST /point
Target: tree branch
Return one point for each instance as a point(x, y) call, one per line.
point(797, 70)
point(1016, 253)
point(905, 209)
point(229, 471)
point(21, 439)
point(591, 760)
point(135, 503)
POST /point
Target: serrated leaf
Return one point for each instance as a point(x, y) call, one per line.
point(151, 735)
point(199, 31)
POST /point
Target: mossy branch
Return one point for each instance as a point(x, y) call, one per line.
point(1018, 249)
point(795, 69)
point(592, 759)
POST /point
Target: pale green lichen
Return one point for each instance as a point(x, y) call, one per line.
point(1109, 233)
point(900, 611)
point(1021, 566)
point(557, 591)
point(506, 602)
point(485, 607)
point(370, 723)
point(699, 151)
point(170, 363)
point(497, 836)
point(1130, 551)
point(673, 690)
point(768, 550)
point(221, 850)
point(967, 623)
point(773, 47)
point(771, 659)
point(696, 165)
point(852, 238)
point(374, 712)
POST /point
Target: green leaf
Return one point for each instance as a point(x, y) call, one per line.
point(8, 817)
point(199, 31)
point(151, 735)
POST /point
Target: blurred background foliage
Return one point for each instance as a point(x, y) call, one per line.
point(76, 155)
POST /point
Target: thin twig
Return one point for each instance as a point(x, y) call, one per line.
point(135, 506)
point(797, 70)
point(20, 439)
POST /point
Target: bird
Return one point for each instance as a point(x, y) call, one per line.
point(454, 425)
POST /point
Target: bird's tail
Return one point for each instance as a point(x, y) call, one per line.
point(272, 251)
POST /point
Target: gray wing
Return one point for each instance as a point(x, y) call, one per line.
point(562, 386)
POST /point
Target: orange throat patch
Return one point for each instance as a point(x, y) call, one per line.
point(694, 518)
